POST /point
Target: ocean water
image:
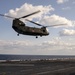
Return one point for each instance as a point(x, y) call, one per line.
point(34, 57)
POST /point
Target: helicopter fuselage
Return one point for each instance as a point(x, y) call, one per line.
point(21, 28)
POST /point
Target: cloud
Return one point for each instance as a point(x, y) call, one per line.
point(62, 1)
point(55, 19)
point(43, 16)
point(14, 47)
point(67, 32)
point(26, 9)
point(66, 8)
point(53, 46)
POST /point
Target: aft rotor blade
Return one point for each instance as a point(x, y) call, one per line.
point(29, 14)
point(34, 22)
point(6, 16)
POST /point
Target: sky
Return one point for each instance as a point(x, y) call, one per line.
point(61, 39)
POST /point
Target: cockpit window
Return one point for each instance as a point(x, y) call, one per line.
point(44, 30)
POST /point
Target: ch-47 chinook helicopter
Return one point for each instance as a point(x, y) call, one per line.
point(21, 28)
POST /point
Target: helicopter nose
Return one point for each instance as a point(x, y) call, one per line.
point(47, 33)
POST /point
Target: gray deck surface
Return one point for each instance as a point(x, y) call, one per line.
point(42, 67)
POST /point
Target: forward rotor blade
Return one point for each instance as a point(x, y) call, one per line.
point(6, 16)
point(29, 14)
point(34, 22)
point(55, 25)
point(43, 25)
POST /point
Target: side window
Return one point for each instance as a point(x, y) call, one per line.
point(21, 24)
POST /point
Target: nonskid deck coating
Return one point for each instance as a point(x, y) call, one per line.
point(38, 67)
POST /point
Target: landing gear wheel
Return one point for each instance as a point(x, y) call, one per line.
point(40, 36)
point(36, 36)
point(17, 34)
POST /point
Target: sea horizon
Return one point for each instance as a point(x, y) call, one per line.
point(34, 57)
